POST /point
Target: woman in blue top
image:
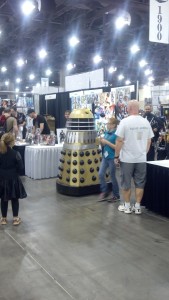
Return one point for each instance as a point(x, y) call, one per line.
point(108, 144)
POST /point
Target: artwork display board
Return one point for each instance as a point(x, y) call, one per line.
point(61, 134)
point(104, 105)
point(122, 95)
point(23, 103)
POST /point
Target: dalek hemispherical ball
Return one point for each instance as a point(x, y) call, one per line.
point(80, 156)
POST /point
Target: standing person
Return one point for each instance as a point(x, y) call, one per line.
point(11, 187)
point(38, 122)
point(10, 122)
point(108, 144)
point(67, 114)
point(155, 125)
point(134, 135)
point(21, 120)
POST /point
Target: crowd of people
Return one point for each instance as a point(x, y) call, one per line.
point(13, 123)
point(128, 144)
point(137, 139)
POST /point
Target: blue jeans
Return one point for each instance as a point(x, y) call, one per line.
point(105, 164)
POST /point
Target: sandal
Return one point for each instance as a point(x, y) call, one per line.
point(3, 221)
point(16, 221)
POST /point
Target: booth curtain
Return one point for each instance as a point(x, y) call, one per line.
point(56, 108)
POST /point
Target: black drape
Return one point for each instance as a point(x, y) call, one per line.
point(56, 107)
point(156, 194)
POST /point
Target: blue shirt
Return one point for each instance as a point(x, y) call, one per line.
point(111, 137)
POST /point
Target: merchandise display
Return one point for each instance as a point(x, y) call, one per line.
point(80, 156)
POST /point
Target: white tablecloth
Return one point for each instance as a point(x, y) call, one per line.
point(42, 161)
point(161, 163)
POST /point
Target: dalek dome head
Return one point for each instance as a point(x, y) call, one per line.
point(81, 120)
point(81, 113)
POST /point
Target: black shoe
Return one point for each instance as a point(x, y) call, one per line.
point(103, 197)
point(114, 199)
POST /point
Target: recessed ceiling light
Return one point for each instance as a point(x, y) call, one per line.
point(142, 63)
point(42, 53)
point(127, 82)
point(70, 66)
point(123, 21)
point(148, 72)
point(48, 72)
point(97, 59)
point(31, 76)
point(73, 41)
point(27, 7)
point(20, 62)
point(134, 49)
point(120, 77)
point(18, 80)
point(112, 69)
point(3, 69)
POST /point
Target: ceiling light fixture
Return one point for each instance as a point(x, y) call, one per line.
point(123, 20)
point(20, 62)
point(134, 49)
point(151, 78)
point(73, 41)
point(120, 77)
point(127, 82)
point(148, 72)
point(31, 76)
point(27, 7)
point(142, 63)
point(97, 59)
point(48, 72)
point(18, 80)
point(70, 66)
point(112, 70)
point(42, 53)
point(3, 69)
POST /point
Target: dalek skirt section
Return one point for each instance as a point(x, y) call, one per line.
point(80, 156)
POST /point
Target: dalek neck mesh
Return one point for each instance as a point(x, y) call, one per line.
point(81, 124)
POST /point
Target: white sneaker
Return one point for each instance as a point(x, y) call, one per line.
point(123, 208)
point(137, 210)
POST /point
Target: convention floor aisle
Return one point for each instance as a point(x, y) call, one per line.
point(77, 248)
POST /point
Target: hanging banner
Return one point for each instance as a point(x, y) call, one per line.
point(159, 21)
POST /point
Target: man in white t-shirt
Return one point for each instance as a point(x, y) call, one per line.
point(133, 142)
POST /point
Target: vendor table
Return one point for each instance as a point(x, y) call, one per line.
point(42, 161)
point(156, 194)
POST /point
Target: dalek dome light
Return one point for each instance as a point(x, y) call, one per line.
point(81, 113)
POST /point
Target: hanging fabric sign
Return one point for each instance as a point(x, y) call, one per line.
point(159, 21)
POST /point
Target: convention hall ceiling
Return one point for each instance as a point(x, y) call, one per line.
point(93, 22)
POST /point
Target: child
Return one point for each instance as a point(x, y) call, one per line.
point(108, 144)
point(11, 187)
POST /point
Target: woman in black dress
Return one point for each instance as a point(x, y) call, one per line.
point(11, 187)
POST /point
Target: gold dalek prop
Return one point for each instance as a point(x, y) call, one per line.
point(80, 156)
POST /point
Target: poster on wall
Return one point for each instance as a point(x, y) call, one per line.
point(76, 100)
point(121, 96)
point(61, 135)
